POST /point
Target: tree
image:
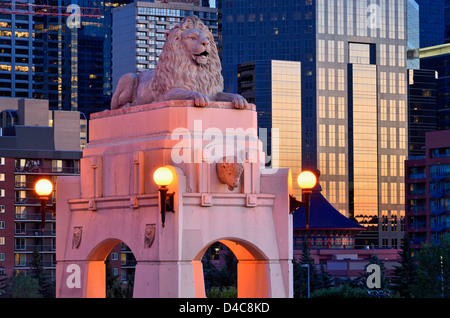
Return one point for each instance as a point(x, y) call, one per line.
point(3, 281)
point(301, 274)
point(433, 274)
point(342, 291)
point(46, 287)
point(24, 286)
point(325, 279)
point(113, 287)
point(405, 275)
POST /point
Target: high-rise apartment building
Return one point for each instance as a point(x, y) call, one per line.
point(138, 31)
point(35, 143)
point(428, 191)
point(353, 58)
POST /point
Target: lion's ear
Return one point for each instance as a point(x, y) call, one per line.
point(166, 34)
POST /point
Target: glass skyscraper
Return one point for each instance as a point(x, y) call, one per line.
point(432, 22)
point(73, 65)
point(16, 51)
point(353, 125)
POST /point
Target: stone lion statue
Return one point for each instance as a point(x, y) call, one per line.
point(188, 69)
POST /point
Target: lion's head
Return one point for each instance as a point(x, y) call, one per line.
point(189, 60)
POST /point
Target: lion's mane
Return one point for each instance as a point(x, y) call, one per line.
point(176, 70)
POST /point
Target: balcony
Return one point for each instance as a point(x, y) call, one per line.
point(417, 225)
point(439, 227)
point(34, 232)
point(21, 263)
point(26, 248)
point(47, 170)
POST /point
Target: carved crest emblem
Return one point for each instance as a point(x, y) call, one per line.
point(150, 231)
point(77, 234)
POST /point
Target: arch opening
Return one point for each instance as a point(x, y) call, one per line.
point(111, 270)
point(251, 269)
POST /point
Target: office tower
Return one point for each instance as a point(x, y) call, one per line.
point(16, 55)
point(73, 64)
point(428, 190)
point(422, 111)
point(354, 95)
point(432, 22)
point(275, 87)
point(413, 32)
point(138, 31)
point(35, 143)
point(437, 58)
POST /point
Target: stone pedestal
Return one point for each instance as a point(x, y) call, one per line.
point(116, 200)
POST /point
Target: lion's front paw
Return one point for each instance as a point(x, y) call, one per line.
point(239, 102)
point(200, 99)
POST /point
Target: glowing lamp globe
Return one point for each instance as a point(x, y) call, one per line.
point(307, 180)
point(163, 176)
point(43, 188)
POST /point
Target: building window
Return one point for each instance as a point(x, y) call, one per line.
point(2, 161)
point(2, 240)
point(2, 193)
point(435, 153)
point(2, 209)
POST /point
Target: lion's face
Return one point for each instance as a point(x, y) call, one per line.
point(197, 46)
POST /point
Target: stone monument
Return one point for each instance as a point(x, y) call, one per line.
point(220, 189)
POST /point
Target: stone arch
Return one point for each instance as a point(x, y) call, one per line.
point(252, 269)
point(96, 268)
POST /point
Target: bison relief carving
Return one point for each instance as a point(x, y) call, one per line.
point(229, 172)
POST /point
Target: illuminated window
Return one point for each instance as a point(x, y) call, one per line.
point(392, 138)
point(392, 110)
point(341, 107)
point(331, 52)
point(331, 135)
point(393, 163)
point(342, 164)
point(331, 107)
point(331, 79)
point(340, 52)
point(394, 193)
point(332, 164)
point(341, 135)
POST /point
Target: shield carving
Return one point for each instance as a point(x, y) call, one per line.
point(77, 234)
point(150, 230)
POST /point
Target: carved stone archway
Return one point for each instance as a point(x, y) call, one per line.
point(115, 199)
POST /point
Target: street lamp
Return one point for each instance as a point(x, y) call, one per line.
point(309, 284)
point(43, 189)
point(163, 177)
point(306, 180)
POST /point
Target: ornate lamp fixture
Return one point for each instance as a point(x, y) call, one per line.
point(306, 180)
point(163, 177)
point(44, 189)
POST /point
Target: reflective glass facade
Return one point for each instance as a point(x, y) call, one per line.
point(432, 22)
point(16, 58)
point(73, 65)
point(276, 87)
point(354, 95)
